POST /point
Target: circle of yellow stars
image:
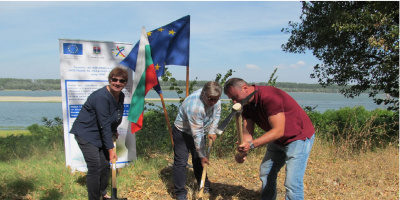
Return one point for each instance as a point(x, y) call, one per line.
point(73, 45)
point(171, 32)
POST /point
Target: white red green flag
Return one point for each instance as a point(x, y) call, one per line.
point(145, 79)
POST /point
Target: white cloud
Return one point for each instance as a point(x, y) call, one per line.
point(228, 36)
point(298, 64)
point(295, 65)
point(252, 67)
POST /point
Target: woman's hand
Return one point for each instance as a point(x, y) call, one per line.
point(115, 135)
point(112, 154)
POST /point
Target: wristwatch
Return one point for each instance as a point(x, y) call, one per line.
point(251, 145)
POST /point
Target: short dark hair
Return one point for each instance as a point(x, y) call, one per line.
point(118, 71)
point(234, 82)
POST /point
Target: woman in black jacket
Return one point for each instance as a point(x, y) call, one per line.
point(94, 128)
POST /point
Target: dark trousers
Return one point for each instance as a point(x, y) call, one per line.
point(98, 164)
point(183, 143)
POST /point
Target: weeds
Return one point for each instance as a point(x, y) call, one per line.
point(355, 130)
point(42, 138)
point(355, 139)
point(33, 166)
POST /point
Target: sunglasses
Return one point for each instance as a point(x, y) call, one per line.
point(210, 99)
point(116, 80)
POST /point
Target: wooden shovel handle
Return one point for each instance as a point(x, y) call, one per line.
point(114, 167)
point(204, 174)
point(239, 129)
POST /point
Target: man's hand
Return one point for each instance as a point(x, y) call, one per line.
point(204, 161)
point(244, 147)
point(212, 137)
point(240, 157)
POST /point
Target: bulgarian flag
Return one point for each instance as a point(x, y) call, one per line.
point(145, 79)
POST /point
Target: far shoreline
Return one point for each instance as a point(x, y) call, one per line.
point(55, 99)
point(284, 89)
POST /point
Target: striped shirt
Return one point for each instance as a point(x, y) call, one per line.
point(196, 118)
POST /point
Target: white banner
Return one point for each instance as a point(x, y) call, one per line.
point(84, 68)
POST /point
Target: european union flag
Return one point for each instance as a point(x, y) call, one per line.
point(72, 48)
point(169, 46)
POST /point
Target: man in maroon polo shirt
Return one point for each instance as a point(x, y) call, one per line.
point(289, 135)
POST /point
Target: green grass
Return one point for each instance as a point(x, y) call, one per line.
point(32, 166)
point(6, 133)
point(44, 176)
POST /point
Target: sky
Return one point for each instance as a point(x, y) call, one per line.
point(243, 36)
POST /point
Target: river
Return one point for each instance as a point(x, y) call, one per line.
point(19, 115)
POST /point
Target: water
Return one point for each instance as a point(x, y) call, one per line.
point(335, 101)
point(19, 115)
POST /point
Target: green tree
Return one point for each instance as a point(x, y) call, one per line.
point(358, 43)
point(272, 78)
point(223, 80)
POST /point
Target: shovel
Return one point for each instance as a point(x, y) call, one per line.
point(114, 176)
point(236, 108)
point(204, 174)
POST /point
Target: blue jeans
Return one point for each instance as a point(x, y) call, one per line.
point(295, 155)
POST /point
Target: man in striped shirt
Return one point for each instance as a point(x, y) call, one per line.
point(199, 114)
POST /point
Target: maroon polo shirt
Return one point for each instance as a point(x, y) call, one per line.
point(269, 101)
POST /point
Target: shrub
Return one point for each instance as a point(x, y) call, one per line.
point(43, 138)
point(154, 137)
point(354, 130)
point(51, 130)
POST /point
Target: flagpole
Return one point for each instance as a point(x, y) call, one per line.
point(166, 117)
point(187, 80)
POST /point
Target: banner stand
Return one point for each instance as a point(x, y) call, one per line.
point(84, 68)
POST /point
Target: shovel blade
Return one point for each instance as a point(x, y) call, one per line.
point(225, 123)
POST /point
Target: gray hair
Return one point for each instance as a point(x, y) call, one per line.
point(212, 88)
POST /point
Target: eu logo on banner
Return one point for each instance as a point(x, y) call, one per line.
point(72, 48)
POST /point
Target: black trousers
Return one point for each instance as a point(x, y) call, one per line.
point(98, 164)
point(183, 144)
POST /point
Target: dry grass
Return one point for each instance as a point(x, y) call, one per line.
point(371, 175)
point(29, 99)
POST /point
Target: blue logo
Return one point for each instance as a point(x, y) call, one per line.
point(73, 48)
